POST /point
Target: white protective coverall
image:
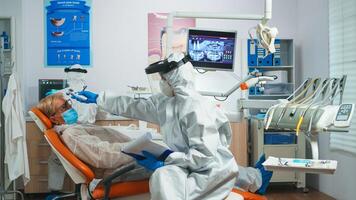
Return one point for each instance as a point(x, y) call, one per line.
point(100, 147)
point(201, 166)
point(15, 132)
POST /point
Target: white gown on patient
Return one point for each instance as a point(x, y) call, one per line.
point(100, 148)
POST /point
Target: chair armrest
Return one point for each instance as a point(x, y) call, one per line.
point(108, 180)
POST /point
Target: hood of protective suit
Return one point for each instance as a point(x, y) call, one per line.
point(182, 79)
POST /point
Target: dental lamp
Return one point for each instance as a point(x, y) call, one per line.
point(266, 37)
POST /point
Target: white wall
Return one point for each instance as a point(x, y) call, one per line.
point(119, 38)
point(312, 34)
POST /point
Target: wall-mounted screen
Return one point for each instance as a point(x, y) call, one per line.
point(212, 50)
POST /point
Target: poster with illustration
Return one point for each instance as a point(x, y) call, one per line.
point(157, 35)
point(67, 25)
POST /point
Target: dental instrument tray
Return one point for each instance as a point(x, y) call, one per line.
point(302, 165)
point(311, 108)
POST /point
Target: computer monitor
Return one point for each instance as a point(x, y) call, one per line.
point(212, 50)
point(45, 85)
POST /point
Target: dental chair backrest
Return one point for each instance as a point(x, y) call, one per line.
point(77, 170)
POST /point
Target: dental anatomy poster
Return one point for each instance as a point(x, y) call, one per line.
point(67, 25)
point(157, 35)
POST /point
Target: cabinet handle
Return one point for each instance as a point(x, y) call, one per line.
point(43, 162)
point(43, 144)
point(43, 180)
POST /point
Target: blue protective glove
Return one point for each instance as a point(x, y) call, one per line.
point(90, 97)
point(149, 161)
point(266, 175)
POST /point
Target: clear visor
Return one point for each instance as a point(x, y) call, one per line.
point(76, 81)
point(154, 80)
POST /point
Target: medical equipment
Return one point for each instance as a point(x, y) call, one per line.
point(311, 110)
point(305, 165)
point(253, 78)
point(46, 85)
point(81, 173)
point(344, 115)
point(76, 95)
point(266, 35)
point(212, 50)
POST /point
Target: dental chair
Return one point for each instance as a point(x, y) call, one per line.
point(82, 174)
point(84, 177)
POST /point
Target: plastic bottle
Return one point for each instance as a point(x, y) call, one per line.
point(6, 40)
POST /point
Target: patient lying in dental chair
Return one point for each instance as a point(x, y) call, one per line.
point(97, 146)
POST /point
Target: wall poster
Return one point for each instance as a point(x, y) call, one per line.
point(67, 32)
point(157, 35)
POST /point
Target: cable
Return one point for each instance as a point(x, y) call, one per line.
point(220, 99)
point(201, 72)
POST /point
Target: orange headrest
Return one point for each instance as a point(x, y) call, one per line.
point(44, 119)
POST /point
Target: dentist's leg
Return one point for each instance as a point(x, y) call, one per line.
point(249, 179)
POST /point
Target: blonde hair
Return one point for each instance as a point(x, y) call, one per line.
point(46, 105)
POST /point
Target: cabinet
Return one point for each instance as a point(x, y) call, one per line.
point(7, 55)
point(296, 150)
point(279, 64)
point(282, 65)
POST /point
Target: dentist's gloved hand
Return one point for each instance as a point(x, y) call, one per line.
point(90, 97)
point(150, 161)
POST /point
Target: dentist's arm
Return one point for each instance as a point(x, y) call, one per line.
point(141, 109)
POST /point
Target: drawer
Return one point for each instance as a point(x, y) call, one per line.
point(38, 167)
point(33, 133)
point(68, 185)
point(284, 151)
point(37, 184)
point(40, 150)
point(116, 122)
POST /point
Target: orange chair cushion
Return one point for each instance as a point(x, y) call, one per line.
point(48, 124)
point(57, 143)
point(123, 189)
point(249, 195)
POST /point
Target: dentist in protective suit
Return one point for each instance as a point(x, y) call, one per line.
point(201, 166)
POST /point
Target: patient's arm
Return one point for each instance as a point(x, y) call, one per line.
point(96, 146)
point(142, 109)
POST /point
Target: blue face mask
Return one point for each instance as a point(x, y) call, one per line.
point(70, 116)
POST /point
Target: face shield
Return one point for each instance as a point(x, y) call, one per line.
point(75, 76)
point(156, 70)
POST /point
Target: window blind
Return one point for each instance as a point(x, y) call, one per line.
point(342, 59)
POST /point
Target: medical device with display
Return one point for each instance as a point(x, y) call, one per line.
point(46, 85)
point(212, 50)
point(344, 115)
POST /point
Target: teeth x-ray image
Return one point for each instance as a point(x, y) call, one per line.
point(209, 50)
